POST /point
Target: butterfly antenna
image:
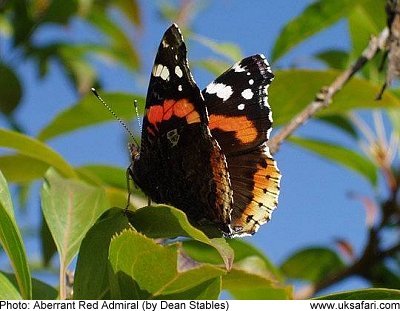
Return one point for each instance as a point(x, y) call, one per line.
point(114, 115)
point(135, 103)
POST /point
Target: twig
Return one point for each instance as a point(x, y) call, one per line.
point(321, 101)
point(391, 251)
point(393, 44)
point(325, 95)
point(361, 266)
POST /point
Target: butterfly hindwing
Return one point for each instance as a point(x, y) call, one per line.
point(240, 120)
point(255, 182)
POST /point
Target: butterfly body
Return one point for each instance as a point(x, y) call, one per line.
point(204, 152)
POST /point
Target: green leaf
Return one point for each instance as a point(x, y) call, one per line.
point(131, 9)
point(119, 42)
point(22, 22)
point(89, 112)
point(382, 276)
point(40, 290)
point(312, 264)
point(244, 250)
point(123, 287)
point(198, 252)
point(33, 148)
point(242, 284)
point(21, 168)
point(106, 174)
point(91, 276)
point(78, 69)
point(216, 67)
point(114, 182)
point(43, 291)
point(365, 294)
point(70, 208)
point(58, 11)
point(165, 271)
point(119, 197)
point(253, 276)
point(49, 247)
point(229, 50)
point(317, 16)
point(368, 18)
point(357, 94)
point(219, 253)
point(12, 243)
point(209, 290)
point(43, 55)
point(247, 257)
point(341, 155)
point(340, 122)
point(335, 59)
point(164, 221)
point(8, 291)
point(5, 26)
point(10, 89)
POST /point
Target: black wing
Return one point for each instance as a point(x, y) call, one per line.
point(180, 163)
point(240, 120)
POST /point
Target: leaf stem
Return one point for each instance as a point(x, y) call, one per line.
point(63, 281)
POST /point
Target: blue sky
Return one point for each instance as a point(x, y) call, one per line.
point(313, 209)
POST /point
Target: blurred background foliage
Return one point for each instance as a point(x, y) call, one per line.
point(137, 256)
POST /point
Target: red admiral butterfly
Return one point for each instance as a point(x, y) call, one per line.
point(205, 152)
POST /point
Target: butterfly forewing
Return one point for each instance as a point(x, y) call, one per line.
point(205, 153)
point(237, 101)
point(179, 162)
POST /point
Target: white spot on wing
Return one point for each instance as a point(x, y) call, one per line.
point(251, 81)
point(178, 71)
point(247, 94)
point(269, 132)
point(269, 113)
point(179, 87)
point(165, 44)
point(238, 68)
point(240, 107)
point(164, 73)
point(221, 90)
point(157, 70)
point(267, 152)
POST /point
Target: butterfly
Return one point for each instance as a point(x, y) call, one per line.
point(204, 152)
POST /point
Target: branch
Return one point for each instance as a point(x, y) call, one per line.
point(361, 266)
point(325, 95)
point(322, 100)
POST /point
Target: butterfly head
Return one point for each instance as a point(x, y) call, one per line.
point(134, 151)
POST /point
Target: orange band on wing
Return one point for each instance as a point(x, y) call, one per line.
point(264, 199)
point(168, 108)
point(155, 114)
point(244, 129)
point(181, 108)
